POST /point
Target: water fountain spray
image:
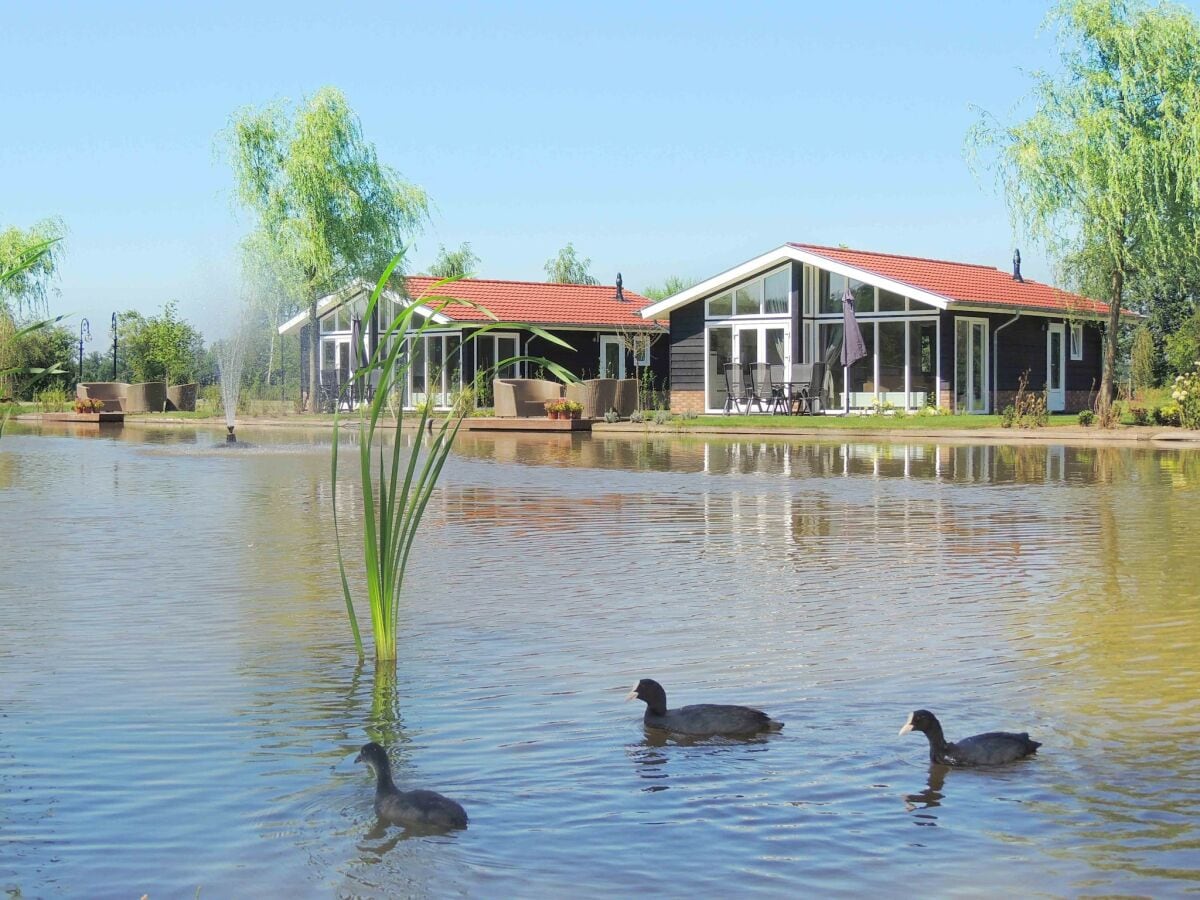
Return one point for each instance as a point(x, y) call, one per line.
point(230, 354)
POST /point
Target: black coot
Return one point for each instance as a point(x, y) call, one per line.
point(991, 749)
point(410, 809)
point(701, 719)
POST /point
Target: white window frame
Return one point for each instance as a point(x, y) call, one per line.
point(607, 340)
point(1076, 340)
point(759, 283)
point(987, 364)
point(641, 350)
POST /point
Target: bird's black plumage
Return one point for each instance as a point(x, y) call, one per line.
point(700, 719)
point(991, 749)
point(410, 809)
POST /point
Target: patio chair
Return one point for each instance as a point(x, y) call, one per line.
point(818, 392)
point(739, 390)
point(767, 388)
point(800, 398)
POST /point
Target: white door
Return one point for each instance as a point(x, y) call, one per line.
point(612, 356)
point(1056, 393)
point(970, 365)
point(763, 343)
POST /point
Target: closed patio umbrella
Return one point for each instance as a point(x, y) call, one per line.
point(853, 347)
point(356, 352)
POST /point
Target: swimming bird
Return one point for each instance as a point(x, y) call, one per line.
point(410, 809)
point(991, 749)
point(702, 718)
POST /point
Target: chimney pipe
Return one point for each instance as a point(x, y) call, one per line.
point(1017, 266)
point(620, 289)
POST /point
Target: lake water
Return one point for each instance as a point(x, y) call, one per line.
point(180, 704)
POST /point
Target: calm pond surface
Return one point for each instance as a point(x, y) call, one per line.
point(180, 705)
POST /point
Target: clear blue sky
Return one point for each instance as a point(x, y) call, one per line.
point(659, 138)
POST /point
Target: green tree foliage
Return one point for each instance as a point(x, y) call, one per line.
point(568, 268)
point(1141, 358)
point(460, 263)
point(326, 209)
point(160, 348)
point(28, 261)
point(669, 288)
point(1107, 168)
point(1183, 347)
point(35, 358)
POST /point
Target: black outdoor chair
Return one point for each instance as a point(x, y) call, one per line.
point(768, 391)
point(739, 390)
point(800, 394)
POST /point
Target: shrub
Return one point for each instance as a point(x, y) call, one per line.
point(637, 417)
point(1108, 415)
point(611, 416)
point(52, 400)
point(662, 416)
point(1168, 414)
point(1086, 418)
point(1031, 409)
point(1141, 415)
point(1186, 393)
point(462, 401)
point(1008, 416)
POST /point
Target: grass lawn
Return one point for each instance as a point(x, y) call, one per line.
point(857, 423)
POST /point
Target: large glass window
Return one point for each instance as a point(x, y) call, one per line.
point(862, 373)
point(829, 351)
point(766, 295)
point(891, 363)
point(890, 302)
point(777, 286)
point(864, 296)
point(833, 286)
point(922, 356)
point(721, 305)
point(748, 299)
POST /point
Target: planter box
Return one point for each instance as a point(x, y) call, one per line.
point(96, 418)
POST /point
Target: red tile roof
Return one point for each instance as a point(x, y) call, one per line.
point(962, 282)
point(536, 302)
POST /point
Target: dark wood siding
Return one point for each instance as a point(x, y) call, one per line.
point(1022, 348)
point(687, 347)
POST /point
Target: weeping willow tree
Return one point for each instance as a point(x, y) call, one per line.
point(327, 210)
point(1106, 171)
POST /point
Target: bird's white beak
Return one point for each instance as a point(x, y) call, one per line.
point(907, 726)
point(632, 695)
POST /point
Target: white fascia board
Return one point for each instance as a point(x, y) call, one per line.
point(331, 302)
point(785, 253)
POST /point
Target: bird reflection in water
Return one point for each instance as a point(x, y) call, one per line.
point(930, 798)
point(652, 755)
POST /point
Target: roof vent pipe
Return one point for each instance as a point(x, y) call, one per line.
point(1017, 266)
point(620, 289)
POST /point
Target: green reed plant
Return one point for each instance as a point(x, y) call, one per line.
point(395, 491)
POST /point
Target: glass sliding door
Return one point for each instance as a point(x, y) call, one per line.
point(922, 364)
point(970, 365)
point(892, 368)
point(717, 356)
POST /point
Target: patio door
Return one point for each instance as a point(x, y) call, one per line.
point(1056, 394)
point(970, 365)
point(612, 356)
point(335, 357)
point(762, 343)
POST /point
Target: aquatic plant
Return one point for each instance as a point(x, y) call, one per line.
point(395, 492)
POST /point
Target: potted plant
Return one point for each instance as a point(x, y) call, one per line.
point(572, 409)
point(552, 408)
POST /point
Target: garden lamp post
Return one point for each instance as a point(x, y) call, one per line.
point(85, 333)
point(114, 329)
